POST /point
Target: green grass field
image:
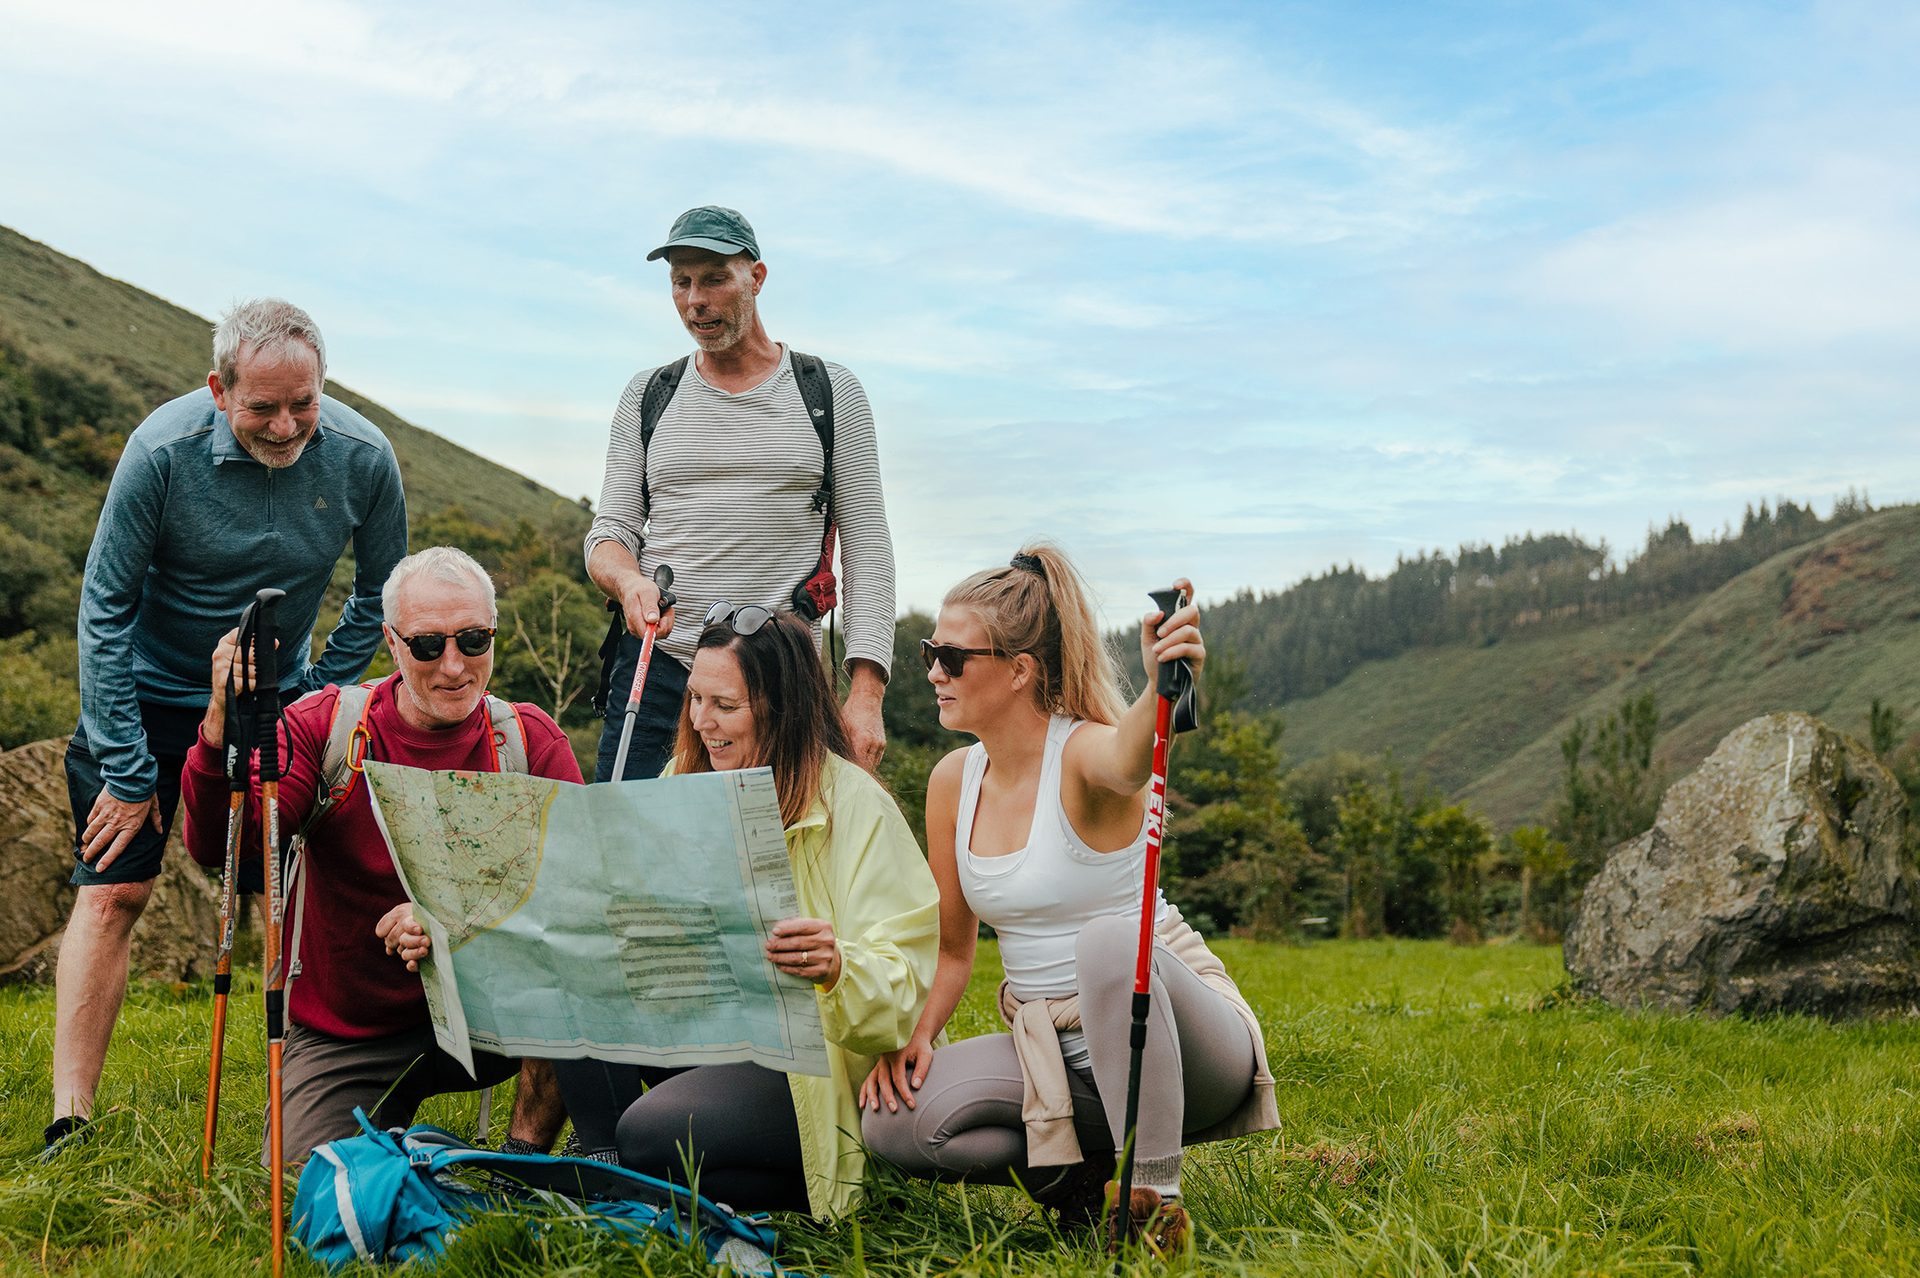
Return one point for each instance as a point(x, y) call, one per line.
point(1447, 1111)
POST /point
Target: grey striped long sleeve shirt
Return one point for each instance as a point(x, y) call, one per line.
point(732, 478)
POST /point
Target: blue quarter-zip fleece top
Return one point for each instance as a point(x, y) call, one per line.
point(192, 528)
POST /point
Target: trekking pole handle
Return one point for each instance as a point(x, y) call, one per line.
point(1174, 677)
point(266, 687)
point(663, 578)
point(240, 701)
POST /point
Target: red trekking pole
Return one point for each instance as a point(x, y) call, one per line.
point(239, 741)
point(1173, 687)
point(663, 578)
point(266, 730)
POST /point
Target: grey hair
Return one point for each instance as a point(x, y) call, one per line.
point(438, 563)
point(264, 323)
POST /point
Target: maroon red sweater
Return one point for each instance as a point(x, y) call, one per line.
point(349, 985)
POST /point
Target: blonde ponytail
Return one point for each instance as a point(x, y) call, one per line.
point(1039, 605)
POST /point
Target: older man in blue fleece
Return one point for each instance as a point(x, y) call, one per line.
point(257, 479)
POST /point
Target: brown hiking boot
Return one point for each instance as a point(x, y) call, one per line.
point(1163, 1228)
point(1074, 1194)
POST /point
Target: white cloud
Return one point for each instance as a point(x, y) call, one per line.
point(1764, 270)
point(1110, 308)
point(1127, 132)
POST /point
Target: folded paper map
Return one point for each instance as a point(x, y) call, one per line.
point(622, 922)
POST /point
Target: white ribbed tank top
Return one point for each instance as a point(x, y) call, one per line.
point(1038, 898)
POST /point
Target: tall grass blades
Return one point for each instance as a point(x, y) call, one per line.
point(1447, 1110)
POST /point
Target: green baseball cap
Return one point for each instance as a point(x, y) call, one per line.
point(712, 228)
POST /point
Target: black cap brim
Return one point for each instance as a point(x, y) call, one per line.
point(723, 247)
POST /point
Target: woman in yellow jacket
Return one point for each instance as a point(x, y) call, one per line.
point(868, 939)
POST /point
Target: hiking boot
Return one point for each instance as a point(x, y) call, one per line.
point(1073, 1195)
point(63, 1133)
point(1163, 1228)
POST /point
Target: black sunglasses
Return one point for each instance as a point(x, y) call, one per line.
point(472, 641)
point(746, 621)
point(952, 658)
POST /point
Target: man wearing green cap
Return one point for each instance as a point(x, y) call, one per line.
point(736, 466)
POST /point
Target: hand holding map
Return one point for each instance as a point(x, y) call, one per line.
point(404, 935)
point(806, 948)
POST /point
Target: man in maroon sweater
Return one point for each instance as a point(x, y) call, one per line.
point(357, 1014)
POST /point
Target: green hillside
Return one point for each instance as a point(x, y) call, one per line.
point(1824, 627)
point(63, 311)
point(84, 358)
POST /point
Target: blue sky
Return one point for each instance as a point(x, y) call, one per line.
point(1231, 290)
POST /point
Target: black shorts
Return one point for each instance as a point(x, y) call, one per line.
point(171, 732)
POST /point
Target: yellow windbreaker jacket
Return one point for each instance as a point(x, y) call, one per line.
point(855, 864)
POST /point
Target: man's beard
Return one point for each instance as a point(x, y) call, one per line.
point(281, 456)
point(733, 330)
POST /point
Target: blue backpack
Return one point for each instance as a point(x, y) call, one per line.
point(395, 1195)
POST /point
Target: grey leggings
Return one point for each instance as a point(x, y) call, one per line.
point(734, 1123)
point(1197, 1068)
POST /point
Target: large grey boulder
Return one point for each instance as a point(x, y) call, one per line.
point(173, 940)
point(1775, 879)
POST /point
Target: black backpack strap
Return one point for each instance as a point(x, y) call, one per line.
point(653, 404)
point(609, 648)
point(816, 391)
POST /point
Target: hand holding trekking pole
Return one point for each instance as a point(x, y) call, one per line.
point(231, 704)
point(1169, 640)
point(649, 603)
point(1171, 646)
point(663, 583)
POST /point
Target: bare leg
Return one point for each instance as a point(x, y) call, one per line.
point(538, 1113)
point(90, 982)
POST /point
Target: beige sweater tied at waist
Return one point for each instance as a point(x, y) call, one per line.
point(1047, 1104)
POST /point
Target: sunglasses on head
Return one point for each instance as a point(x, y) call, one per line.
point(952, 658)
point(471, 642)
point(745, 621)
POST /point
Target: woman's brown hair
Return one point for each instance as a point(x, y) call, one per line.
point(1039, 605)
point(794, 715)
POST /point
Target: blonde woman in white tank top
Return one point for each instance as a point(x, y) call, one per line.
point(1039, 830)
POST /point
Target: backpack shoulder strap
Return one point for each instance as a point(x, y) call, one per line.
point(653, 405)
point(816, 391)
point(509, 734)
point(340, 760)
point(344, 751)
